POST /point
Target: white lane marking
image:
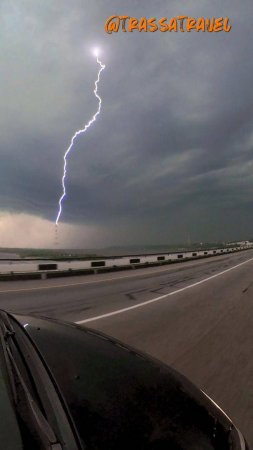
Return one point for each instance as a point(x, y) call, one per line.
point(162, 297)
point(101, 280)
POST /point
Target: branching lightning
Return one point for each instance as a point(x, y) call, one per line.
point(77, 133)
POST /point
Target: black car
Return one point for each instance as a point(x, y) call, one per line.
point(68, 387)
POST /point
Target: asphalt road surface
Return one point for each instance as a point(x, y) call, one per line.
point(196, 316)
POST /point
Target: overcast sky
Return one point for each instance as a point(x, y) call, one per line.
point(170, 156)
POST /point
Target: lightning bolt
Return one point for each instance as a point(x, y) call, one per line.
point(77, 133)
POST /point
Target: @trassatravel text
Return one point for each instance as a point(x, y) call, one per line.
point(182, 24)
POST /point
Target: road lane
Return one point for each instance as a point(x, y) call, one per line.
point(161, 297)
point(81, 298)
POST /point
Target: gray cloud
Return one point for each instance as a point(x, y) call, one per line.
point(170, 154)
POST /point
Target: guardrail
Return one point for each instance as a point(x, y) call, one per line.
point(14, 270)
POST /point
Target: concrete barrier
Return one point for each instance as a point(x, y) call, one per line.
point(25, 269)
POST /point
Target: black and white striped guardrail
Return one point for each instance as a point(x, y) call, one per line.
point(50, 268)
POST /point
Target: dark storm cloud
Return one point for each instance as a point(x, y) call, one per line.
point(171, 153)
